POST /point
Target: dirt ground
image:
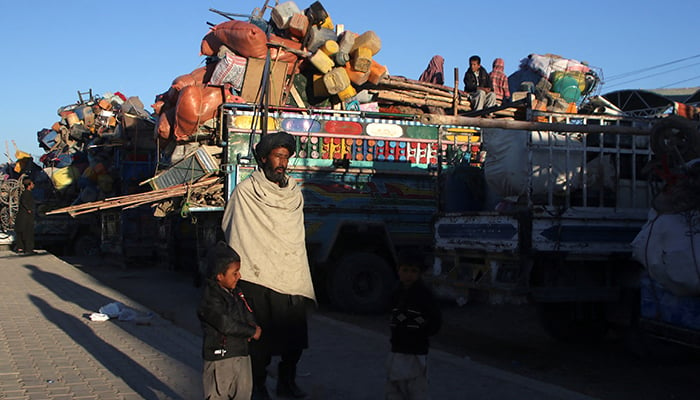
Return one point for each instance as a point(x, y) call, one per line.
point(506, 337)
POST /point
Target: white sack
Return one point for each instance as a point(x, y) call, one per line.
point(669, 246)
point(506, 167)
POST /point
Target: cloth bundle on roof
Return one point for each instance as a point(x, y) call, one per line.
point(242, 37)
point(199, 75)
point(196, 104)
point(546, 64)
point(165, 124)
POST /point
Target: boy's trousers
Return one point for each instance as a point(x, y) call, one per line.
point(229, 378)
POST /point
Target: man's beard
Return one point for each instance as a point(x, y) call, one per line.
point(277, 177)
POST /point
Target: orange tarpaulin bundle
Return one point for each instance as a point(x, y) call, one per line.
point(164, 125)
point(200, 75)
point(242, 37)
point(196, 104)
point(168, 99)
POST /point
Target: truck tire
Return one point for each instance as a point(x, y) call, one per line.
point(582, 322)
point(361, 282)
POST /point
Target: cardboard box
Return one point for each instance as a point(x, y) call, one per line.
point(253, 79)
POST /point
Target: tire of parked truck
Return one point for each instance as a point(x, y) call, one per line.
point(577, 322)
point(361, 282)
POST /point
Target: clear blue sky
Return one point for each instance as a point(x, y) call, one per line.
point(53, 49)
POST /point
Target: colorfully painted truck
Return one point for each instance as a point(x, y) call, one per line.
point(369, 182)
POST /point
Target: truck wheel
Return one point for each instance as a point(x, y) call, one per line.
point(361, 282)
point(86, 245)
point(574, 322)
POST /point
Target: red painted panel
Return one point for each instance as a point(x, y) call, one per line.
point(343, 127)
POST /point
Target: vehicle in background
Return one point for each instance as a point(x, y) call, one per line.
point(550, 219)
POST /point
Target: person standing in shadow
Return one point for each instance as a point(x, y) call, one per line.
point(24, 222)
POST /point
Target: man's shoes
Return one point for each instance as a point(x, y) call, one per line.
point(260, 393)
point(289, 389)
point(29, 253)
point(286, 382)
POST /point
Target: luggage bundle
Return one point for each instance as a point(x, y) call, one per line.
point(313, 63)
point(559, 83)
point(88, 148)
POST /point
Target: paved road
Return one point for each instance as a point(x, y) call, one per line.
point(50, 349)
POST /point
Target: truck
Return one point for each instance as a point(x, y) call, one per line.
point(369, 182)
point(377, 182)
point(59, 233)
point(549, 217)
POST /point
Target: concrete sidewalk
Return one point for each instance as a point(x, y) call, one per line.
point(51, 350)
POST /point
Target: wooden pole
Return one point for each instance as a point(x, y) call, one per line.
point(455, 95)
point(262, 9)
point(391, 79)
point(419, 97)
point(434, 119)
point(417, 101)
point(386, 83)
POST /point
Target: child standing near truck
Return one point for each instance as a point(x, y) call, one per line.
point(228, 325)
point(415, 316)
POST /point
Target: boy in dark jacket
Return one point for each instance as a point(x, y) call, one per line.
point(228, 325)
point(415, 316)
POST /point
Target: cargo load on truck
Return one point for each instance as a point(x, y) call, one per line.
point(100, 147)
point(314, 62)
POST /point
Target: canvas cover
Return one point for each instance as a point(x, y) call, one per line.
point(507, 168)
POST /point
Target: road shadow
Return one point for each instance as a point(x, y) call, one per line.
point(138, 378)
point(91, 300)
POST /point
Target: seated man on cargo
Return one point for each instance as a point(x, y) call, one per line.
point(477, 83)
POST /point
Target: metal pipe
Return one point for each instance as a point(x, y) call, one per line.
point(434, 119)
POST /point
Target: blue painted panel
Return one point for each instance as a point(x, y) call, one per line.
point(303, 125)
point(477, 231)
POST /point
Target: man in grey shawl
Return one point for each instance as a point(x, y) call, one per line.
point(264, 222)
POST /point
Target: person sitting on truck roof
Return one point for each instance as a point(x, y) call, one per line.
point(477, 83)
point(499, 80)
point(434, 72)
point(264, 222)
point(415, 316)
